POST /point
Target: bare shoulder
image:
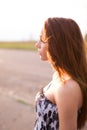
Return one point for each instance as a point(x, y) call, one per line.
point(68, 99)
point(68, 93)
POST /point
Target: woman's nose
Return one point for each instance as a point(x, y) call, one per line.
point(37, 44)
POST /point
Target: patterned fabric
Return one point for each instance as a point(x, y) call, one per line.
point(47, 114)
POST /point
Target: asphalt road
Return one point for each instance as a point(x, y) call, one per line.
point(22, 74)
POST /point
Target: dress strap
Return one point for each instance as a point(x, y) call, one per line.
point(44, 89)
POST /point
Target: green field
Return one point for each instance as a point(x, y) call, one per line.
point(25, 45)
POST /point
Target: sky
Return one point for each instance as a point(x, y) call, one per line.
point(22, 20)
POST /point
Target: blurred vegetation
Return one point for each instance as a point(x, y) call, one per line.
point(25, 45)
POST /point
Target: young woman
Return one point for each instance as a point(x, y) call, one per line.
point(62, 104)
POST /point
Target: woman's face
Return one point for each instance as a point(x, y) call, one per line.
point(42, 49)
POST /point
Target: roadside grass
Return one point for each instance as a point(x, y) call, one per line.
point(25, 45)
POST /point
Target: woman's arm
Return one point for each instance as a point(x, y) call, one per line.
point(67, 98)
